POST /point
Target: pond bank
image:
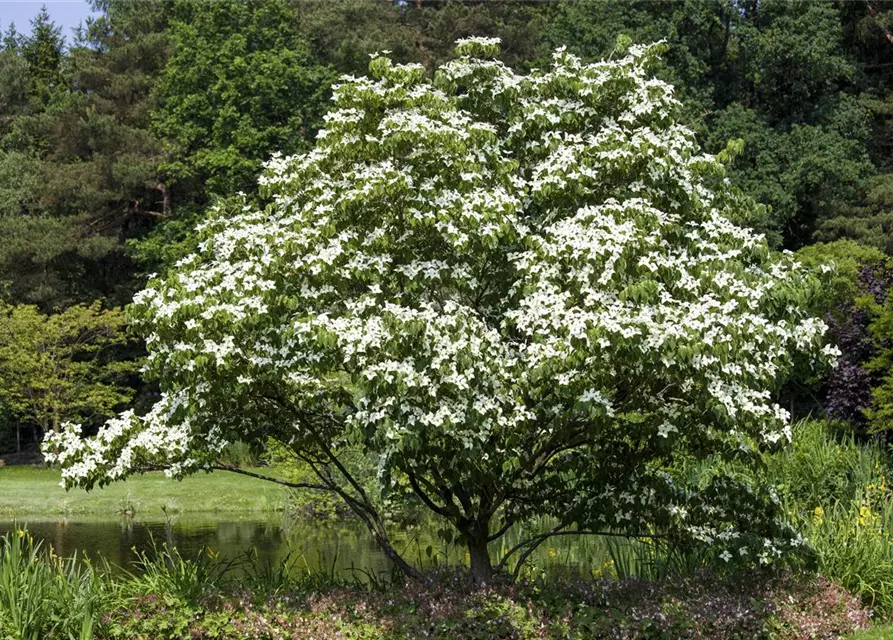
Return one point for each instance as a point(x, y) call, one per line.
point(175, 598)
point(27, 491)
point(340, 546)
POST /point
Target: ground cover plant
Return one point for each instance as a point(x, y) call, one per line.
point(516, 295)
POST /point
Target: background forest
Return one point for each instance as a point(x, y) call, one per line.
point(114, 141)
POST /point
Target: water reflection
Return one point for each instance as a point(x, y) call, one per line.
point(343, 547)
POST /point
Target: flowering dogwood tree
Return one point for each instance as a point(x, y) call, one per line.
point(518, 294)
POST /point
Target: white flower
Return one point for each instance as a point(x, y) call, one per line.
point(418, 284)
point(665, 429)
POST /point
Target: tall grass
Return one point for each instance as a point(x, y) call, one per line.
point(854, 546)
point(43, 596)
point(655, 559)
point(165, 573)
point(824, 465)
point(835, 490)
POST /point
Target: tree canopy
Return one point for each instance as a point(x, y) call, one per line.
point(516, 293)
point(62, 367)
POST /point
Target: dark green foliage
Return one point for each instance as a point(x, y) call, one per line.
point(240, 84)
point(42, 51)
point(173, 102)
point(868, 33)
point(79, 161)
point(803, 173)
point(343, 34)
point(696, 32)
point(774, 74)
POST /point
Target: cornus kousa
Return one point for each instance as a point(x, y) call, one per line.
point(515, 295)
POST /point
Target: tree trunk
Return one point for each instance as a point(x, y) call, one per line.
point(388, 549)
point(479, 559)
point(373, 522)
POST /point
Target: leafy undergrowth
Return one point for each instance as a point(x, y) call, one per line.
point(785, 608)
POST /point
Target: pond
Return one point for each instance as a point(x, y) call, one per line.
point(341, 547)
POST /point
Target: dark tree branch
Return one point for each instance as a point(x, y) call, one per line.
point(443, 511)
point(464, 499)
point(361, 506)
point(367, 513)
point(533, 539)
point(335, 461)
point(165, 199)
point(526, 554)
point(447, 491)
point(558, 530)
point(502, 530)
point(285, 483)
point(546, 456)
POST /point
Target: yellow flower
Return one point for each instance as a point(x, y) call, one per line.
point(818, 516)
point(864, 515)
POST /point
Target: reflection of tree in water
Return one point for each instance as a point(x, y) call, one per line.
point(339, 546)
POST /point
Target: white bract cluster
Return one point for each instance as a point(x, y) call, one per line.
point(522, 291)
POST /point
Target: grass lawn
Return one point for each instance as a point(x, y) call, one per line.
point(31, 491)
point(881, 632)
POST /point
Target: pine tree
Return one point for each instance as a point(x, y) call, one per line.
point(43, 50)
